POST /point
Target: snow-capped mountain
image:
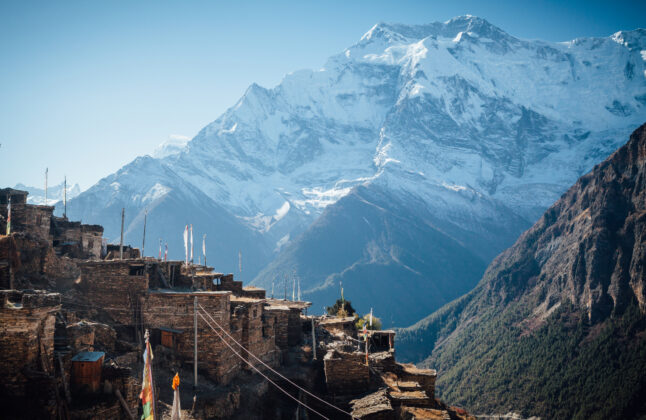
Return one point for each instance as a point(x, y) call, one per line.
point(470, 131)
point(54, 193)
point(173, 145)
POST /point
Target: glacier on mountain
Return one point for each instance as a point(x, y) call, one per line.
point(478, 126)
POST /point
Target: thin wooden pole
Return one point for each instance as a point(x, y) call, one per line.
point(195, 341)
point(65, 197)
point(313, 338)
point(143, 242)
point(124, 404)
point(123, 215)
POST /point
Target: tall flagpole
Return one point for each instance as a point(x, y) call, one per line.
point(192, 248)
point(46, 171)
point(143, 242)
point(195, 341)
point(65, 197)
point(123, 214)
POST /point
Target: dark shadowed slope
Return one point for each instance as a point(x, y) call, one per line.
point(556, 327)
point(390, 253)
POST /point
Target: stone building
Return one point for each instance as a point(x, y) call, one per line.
point(29, 218)
point(73, 239)
point(160, 295)
point(27, 321)
point(76, 239)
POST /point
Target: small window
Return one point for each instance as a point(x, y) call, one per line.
point(255, 312)
point(136, 270)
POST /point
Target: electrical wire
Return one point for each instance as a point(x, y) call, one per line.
point(260, 372)
point(269, 367)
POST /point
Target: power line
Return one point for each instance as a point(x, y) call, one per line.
point(270, 368)
point(259, 372)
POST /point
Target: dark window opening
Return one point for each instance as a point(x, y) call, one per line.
point(136, 270)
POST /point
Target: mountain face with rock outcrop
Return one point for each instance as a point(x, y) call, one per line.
point(400, 168)
point(557, 325)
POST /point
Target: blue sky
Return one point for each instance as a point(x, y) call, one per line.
point(87, 86)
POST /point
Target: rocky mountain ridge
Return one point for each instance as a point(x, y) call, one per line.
point(563, 309)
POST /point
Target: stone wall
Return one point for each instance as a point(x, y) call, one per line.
point(424, 377)
point(226, 282)
point(91, 240)
point(129, 253)
point(280, 314)
point(294, 327)
point(27, 321)
point(336, 325)
point(115, 287)
point(28, 218)
point(254, 292)
point(9, 261)
point(346, 373)
point(75, 239)
point(176, 310)
point(257, 339)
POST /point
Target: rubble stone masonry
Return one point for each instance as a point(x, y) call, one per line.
point(27, 321)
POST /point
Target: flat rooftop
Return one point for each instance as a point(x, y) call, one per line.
point(246, 299)
point(292, 304)
point(188, 292)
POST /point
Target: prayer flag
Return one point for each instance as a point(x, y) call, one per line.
point(147, 391)
point(9, 217)
point(176, 410)
point(186, 244)
point(191, 244)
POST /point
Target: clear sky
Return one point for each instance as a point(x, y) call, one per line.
point(87, 86)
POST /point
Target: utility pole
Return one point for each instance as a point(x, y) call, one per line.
point(195, 341)
point(65, 197)
point(9, 233)
point(366, 338)
point(123, 215)
point(46, 171)
point(143, 243)
point(313, 338)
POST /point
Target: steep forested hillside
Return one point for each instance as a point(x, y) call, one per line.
point(556, 327)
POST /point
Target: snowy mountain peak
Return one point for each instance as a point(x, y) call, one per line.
point(459, 114)
point(477, 27)
point(172, 146)
point(633, 40)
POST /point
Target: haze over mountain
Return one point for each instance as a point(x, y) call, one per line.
point(54, 193)
point(401, 167)
point(557, 325)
